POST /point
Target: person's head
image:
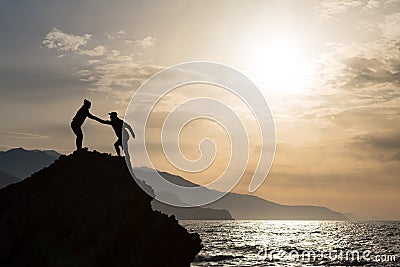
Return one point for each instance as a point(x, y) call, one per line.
point(113, 115)
point(87, 103)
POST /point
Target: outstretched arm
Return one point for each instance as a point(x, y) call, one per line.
point(130, 129)
point(101, 121)
point(90, 116)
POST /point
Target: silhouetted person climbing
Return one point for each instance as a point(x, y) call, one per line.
point(119, 127)
point(79, 119)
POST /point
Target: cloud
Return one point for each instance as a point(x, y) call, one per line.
point(60, 41)
point(339, 164)
point(117, 35)
point(116, 73)
point(368, 118)
point(389, 140)
point(334, 8)
point(124, 75)
point(361, 71)
point(330, 8)
point(112, 71)
point(372, 4)
point(382, 146)
point(95, 52)
point(362, 65)
point(396, 156)
point(19, 135)
point(146, 42)
point(64, 42)
point(390, 26)
point(122, 35)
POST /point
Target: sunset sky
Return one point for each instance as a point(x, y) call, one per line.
point(329, 70)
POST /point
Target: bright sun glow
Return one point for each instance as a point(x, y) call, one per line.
point(280, 64)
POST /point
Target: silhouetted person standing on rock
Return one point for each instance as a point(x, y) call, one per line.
point(119, 127)
point(79, 119)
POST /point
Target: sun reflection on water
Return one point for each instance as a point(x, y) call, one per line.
point(238, 243)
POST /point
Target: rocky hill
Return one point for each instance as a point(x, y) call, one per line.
point(86, 210)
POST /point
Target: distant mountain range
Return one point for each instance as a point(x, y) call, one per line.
point(20, 163)
point(248, 207)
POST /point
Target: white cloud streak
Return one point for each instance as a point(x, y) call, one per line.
point(58, 40)
point(332, 8)
point(146, 42)
point(65, 42)
point(95, 52)
point(329, 8)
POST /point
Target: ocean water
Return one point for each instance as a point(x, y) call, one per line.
point(297, 243)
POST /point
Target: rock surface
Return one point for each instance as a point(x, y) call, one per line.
point(86, 210)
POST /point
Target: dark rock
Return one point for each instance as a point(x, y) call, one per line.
point(86, 210)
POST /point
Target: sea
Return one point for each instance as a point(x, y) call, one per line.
point(297, 243)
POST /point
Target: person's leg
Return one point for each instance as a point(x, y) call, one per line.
point(79, 139)
point(79, 136)
point(117, 145)
point(124, 142)
point(126, 152)
point(125, 147)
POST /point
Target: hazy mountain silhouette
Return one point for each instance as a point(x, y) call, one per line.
point(51, 153)
point(192, 213)
point(248, 207)
point(196, 213)
point(351, 216)
point(86, 210)
point(237, 206)
point(253, 207)
point(21, 163)
point(6, 179)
